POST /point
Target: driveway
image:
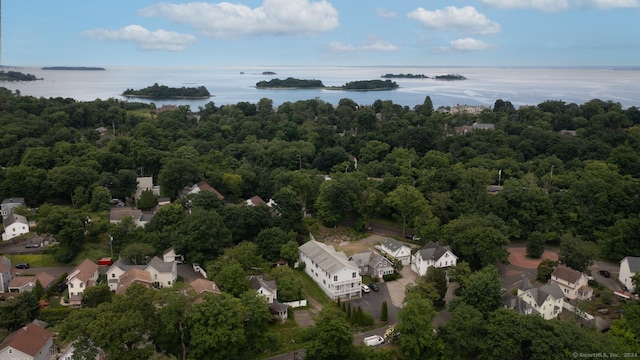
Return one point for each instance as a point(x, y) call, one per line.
point(372, 303)
point(397, 287)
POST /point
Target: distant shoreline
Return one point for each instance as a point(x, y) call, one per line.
point(81, 68)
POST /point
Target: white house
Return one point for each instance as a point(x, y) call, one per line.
point(574, 284)
point(432, 254)
point(117, 214)
point(546, 300)
point(7, 206)
point(267, 289)
point(170, 256)
point(629, 266)
point(162, 274)
point(331, 270)
point(5, 273)
point(396, 250)
point(82, 277)
point(30, 342)
point(14, 225)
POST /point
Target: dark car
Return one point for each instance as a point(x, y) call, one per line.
point(22, 266)
point(60, 288)
point(31, 245)
point(605, 273)
point(374, 287)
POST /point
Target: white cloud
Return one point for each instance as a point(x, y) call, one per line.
point(466, 44)
point(561, 5)
point(145, 39)
point(610, 4)
point(275, 17)
point(466, 20)
point(371, 44)
point(384, 13)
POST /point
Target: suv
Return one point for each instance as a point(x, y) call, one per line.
point(365, 288)
point(31, 245)
point(374, 287)
point(22, 266)
point(605, 273)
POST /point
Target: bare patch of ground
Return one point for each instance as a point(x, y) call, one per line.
point(517, 257)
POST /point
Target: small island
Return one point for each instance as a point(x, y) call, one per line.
point(164, 92)
point(83, 68)
point(268, 73)
point(289, 83)
point(450, 77)
point(16, 76)
point(404, 76)
point(368, 85)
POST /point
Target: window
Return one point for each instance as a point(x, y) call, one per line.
point(71, 285)
point(81, 285)
point(353, 275)
point(335, 277)
point(113, 275)
point(446, 255)
point(168, 282)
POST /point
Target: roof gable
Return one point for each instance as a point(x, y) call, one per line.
point(567, 274)
point(29, 339)
point(392, 244)
point(326, 257)
point(634, 263)
point(84, 271)
point(433, 251)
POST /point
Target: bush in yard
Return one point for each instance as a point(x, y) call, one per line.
point(384, 312)
point(390, 277)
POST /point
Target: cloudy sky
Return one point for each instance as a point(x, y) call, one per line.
point(322, 32)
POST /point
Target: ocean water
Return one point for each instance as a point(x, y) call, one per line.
point(230, 85)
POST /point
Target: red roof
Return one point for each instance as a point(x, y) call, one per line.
point(30, 339)
point(203, 185)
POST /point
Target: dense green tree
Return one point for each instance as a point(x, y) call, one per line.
point(288, 207)
point(408, 202)
point(464, 333)
point(18, 311)
point(577, 254)
point(476, 240)
point(332, 337)
point(289, 252)
point(384, 312)
point(96, 295)
point(138, 253)
point(545, 269)
point(289, 286)
point(202, 236)
point(231, 279)
point(147, 200)
point(176, 174)
point(483, 290)
point(270, 241)
point(437, 277)
point(535, 245)
point(417, 339)
point(460, 273)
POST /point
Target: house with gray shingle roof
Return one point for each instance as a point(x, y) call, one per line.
point(162, 273)
point(546, 300)
point(396, 250)
point(14, 225)
point(573, 283)
point(432, 254)
point(331, 270)
point(266, 288)
point(8, 205)
point(629, 266)
point(373, 264)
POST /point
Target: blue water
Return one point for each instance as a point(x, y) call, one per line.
point(521, 86)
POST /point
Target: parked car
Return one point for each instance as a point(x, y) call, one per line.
point(605, 273)
point(31, 245)
point(365, 288)
point(374, 287)
point(412, 237)
point(105, 261)
point(60, 288)
point(23, 266)
point(373, 340)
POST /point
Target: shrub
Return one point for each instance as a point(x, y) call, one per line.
point(55, 315)
point(384, 312)
point(390, 277)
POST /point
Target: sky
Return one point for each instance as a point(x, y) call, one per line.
point(560, 33)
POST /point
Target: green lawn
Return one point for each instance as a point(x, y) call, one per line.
point(34, 259)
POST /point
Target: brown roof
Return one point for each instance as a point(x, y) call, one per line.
point(20, 281)
point(84, 271)
point(567, 274)
point(201, 286)
point(132, 276)
point(117, 214)
point(29, 339)
point(257, 200)
point(203, 185)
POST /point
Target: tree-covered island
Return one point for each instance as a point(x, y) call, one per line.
point(361, 85)
point(82, 68)
point(450, 77)
point(164, 92)
point(404, 76)
point(17, 76)
point(289, 83)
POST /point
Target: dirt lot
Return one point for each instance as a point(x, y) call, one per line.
point(517, 257)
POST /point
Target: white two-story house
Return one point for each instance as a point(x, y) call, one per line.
point(546, 300)
point(432, 254)
point(163, 274)
point(574, 284)
point(331, 270)
point(266, 289)
point(83, 276)
point(14, 225)
point(396, 250)
point(629, 266)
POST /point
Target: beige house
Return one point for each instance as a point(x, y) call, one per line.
point(574, 284)
point(201, 287)
point(27, 283)
point(82, 277)
point(133, 276)
point(144, 184)
point(30, 342)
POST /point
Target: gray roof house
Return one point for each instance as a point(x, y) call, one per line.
point(373, 264)
point(396, 250)
point(546, 300)
point(629, 266)
point(268, 289)
point(432, 254)
point(162, 273)
point(331, 270)
point(7, 206)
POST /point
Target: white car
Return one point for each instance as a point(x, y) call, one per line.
point(365, 289)
point(373, 340)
